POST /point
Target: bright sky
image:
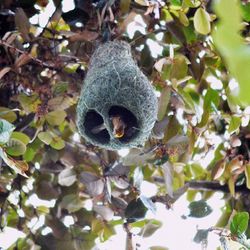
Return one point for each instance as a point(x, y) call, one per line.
point(175, 233)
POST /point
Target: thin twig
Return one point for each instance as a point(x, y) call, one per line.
point(129, 239)
point(40, 62)
point(226, 234)
point(208, 186)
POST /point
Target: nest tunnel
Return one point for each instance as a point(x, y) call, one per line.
point(94, 120)
point(131, 128)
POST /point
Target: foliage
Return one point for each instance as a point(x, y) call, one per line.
point(227, 38)
point(199, 145)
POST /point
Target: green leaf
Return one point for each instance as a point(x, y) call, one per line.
point(239, 223)
point(234, 124)
point(124, 6)
point(135, 210)
point(55, 118)
point(163, 102)
point(45, 137)
point(21, 137)
point(57, 143)
point(150, 228)
point(189, 102)
point(211, 102)
point(6, 129)
point(60, 102)
point(72, 203)
point(166, 70)
point(108, 231)
point(179, 67)
point(211, 99)
point(199, 209)
point(183, 18)
point(172, 129)
point(191, 3)
point(166, 15)
point(29, 103)
point(42, 210)
point(247, 174)
point(15, 147)
point(176, 2)
point(60, 88)
point(194, 170)
point(190, 34)
point(29, 154)
point(245, 8)
point(201, 235)
point(202, 21)
point(224, 218)
point(67, 177)
point(105, 212)
point(158, 248)
point(230, 44)
point(102, 229)
point(7, 114)
point(45, 189)
point(231, 185)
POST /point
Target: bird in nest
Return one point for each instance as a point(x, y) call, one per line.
point(118, 124)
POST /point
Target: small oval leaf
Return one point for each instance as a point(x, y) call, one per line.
point(67, 177)
point(45, 137)
point(202, 21)
point(239, 223)
point(15, 147)
point(199, 209)
point(55, 118)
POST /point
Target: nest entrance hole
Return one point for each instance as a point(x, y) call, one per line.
point(93, 127)
point(131, 124)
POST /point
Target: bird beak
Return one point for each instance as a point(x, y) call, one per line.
point(118, 127)
point(118, 134)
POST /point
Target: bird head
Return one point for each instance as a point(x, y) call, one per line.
point(118, 126)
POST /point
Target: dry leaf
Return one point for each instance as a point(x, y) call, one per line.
point(22, 60)
point(218, 169)
point(4, 71)
point(168, 172)
point(159, 64)
point(142, 2)
point(19, 167)
point(85, 35)
point(127, 21)
point(60, 102)
point(10, 37)
point(150, 9)
point(22, 23)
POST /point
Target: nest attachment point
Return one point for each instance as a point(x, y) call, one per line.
point(117, 107)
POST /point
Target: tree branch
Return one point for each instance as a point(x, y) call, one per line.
point(208, 186)
point(227, 235)
point(40, 62)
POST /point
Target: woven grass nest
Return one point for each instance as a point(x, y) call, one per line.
point(115, 91)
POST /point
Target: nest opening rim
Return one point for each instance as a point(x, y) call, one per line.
point(93, 119)
point(132, 125)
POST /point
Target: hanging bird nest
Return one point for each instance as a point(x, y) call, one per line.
point(117, 107)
